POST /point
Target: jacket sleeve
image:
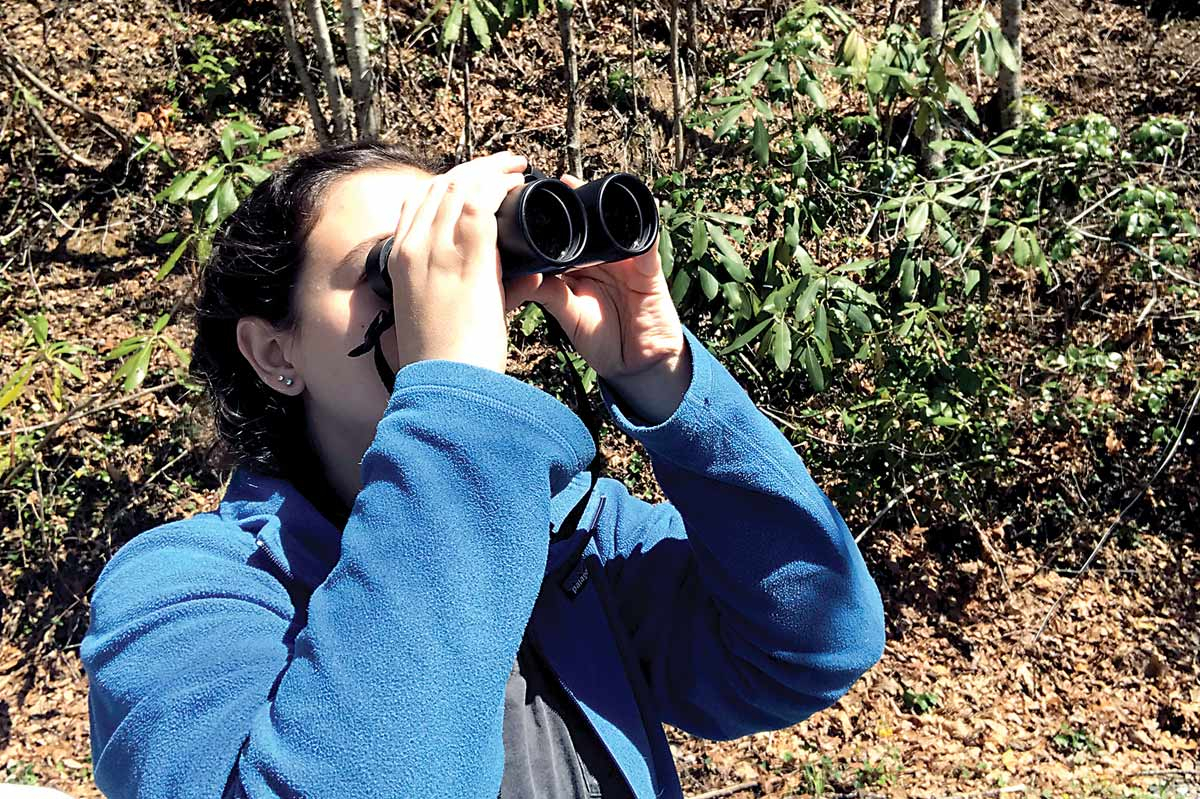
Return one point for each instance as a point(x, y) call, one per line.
point(746, 599)
point(201, 673)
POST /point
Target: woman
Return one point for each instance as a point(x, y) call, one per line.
point(413, 593)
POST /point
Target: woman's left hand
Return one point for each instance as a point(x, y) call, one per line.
point(620, 318)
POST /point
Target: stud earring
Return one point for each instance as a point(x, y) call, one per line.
point(287, 381)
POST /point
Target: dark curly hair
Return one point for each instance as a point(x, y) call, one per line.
point(252, 271)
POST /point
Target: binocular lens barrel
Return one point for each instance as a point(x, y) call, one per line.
point(623, 210)
point(546, 226)
point(542, 223)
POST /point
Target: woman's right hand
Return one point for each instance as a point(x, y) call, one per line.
point(447, 285)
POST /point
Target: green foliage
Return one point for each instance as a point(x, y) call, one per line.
point(883, 772)
point(44, 358)
point(138, 350)
point(218, 68)
point(484, 20)
point(1072, 740)
point(818, 776)
point(213, 190)
point(208, 194)
point(919, 703)
point(834, 266)
point(216, 72)
point(1159, 139)
point(619, 88)
point(20, 773)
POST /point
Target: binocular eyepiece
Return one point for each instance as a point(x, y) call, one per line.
point(546, 226)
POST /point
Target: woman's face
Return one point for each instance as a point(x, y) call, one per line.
point(333, 304)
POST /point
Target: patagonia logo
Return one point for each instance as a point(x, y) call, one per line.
point(576, 580)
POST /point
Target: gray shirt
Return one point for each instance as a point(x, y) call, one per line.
point(550, 748)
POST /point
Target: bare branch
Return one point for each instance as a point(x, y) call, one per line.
point(55, 139)
point(15, 63)
point(1185, 420)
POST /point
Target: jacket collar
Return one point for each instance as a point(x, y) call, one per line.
point(305, 545)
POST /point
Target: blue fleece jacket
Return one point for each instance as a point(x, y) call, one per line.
point(256, 651)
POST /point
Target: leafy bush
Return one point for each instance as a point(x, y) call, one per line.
point(809, 243)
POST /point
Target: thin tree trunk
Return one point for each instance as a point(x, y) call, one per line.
point(676, 91)
point(301, 67)
point(468, 131)
point(631, 124)
point(566, 10)
point(333, 86)
point(362, 79)
point(695, 57)
point(932, 28)
point(1009, 81)
point(633, 45)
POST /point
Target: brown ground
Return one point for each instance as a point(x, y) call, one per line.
point(1105, 703)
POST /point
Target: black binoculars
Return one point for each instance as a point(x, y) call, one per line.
point(546, 226)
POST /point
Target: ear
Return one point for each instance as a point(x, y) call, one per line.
point(266, 349)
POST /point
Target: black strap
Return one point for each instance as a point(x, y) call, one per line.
point(584, 405)
point(374, 340)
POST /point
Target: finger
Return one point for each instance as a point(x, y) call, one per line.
point(408, 212)
point(421, 236)
point(520, 290)
point(554, 294)
point(571, 181)
point(504, 161)
point(445, 221)
point(476, 228)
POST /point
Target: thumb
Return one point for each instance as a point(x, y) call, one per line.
point(520, 290)
point(554, 293)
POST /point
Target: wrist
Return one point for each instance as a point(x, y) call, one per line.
point(655, 394)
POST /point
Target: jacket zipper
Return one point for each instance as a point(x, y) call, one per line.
point(262, 547)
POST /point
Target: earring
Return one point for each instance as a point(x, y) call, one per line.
point(287, 381)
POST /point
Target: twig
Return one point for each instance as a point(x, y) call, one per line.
point(986, 792)
point(732, 789)
point(1074, 585)
point(896, 500)
point(1166, 772)
point(62, 146)
point(1094, 206)
point(81, 410)
point(10, 57)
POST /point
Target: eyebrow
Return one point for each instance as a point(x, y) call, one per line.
point(358, 252)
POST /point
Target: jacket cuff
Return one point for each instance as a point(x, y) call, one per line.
point(711, 386)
